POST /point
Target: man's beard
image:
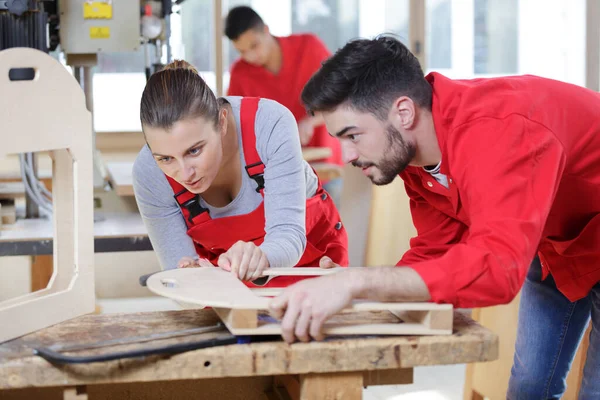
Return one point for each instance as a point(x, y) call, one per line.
point(395, 159)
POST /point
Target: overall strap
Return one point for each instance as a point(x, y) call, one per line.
point(254, 166)
point(192, 210)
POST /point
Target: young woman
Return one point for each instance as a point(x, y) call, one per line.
point(222, 182)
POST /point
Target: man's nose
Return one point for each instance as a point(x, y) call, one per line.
point(349, 153)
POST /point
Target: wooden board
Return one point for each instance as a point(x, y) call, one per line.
point(327, 171)
point(209, 287)
point(11, 190)
point(8, 212)
point(63, 126)
point(237, 305)
point(304, 271)
point(120, 177)
point(19, 368)
point(315, 153)
point(108, 225)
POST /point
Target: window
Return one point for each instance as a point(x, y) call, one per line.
point(482, 38)
point(438, 33)
point(495, 36)
point(333, 21)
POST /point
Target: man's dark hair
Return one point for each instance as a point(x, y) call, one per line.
point(368, 75)
point(241, 19)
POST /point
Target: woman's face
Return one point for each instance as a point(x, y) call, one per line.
point(190, 151)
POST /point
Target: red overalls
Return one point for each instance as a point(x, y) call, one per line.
point(325, 233)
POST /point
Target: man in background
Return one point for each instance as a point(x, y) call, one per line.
point(277, 68)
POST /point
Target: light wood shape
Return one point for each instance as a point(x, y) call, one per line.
point(48, 113)
point(214, 287)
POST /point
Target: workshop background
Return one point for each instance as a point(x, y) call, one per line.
point(460, 38)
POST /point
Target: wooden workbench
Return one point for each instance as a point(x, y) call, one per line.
point(333, 369)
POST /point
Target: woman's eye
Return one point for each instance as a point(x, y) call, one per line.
point(195, 151)
point(352, 138)
point(164, 159)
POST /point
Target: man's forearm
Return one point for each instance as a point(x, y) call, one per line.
point(387, 284)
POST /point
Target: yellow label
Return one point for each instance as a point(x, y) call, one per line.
point(99, 32)
point(97, 10)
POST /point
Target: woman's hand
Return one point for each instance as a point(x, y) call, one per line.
point(326, 263)
point(245, 260)
point(189, 262)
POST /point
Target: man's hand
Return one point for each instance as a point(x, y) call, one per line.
point(244, 259)
point(306, 305)
point(189, 262)
point(306, 130)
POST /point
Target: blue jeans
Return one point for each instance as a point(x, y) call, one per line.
point(334, 188)
point(549, 331)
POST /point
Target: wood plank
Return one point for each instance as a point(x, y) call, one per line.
point(378, 377)
point(73, 394)
point(432, 318)
point(470, 370)
point(206, 389)
point(304, 271)
point(316, 153)
point(327, 171)
point(109, 225)
point(214, 287)
point(33, 394)
point(63, 126)
point(41, 271)
point(12, 190)
point(237, 319)
point(120, 176)
point(8, 212)
point(20, 368)
point(331, 328)
point(333, 386)
point(291, 383)
point(209, 287)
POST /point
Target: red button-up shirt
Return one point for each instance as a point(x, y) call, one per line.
point(302, 56)
point(522, 157)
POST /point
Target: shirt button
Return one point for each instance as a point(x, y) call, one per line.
point(429, 184)
point(450, 180)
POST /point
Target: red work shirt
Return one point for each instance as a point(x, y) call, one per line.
point(522, 157)
point(302, 56)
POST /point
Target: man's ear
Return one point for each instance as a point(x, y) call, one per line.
point(403, 112)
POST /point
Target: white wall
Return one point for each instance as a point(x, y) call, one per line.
point(552, 43)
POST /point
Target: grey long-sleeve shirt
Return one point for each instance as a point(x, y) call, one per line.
point(289, 181)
